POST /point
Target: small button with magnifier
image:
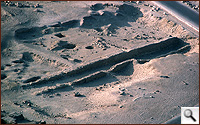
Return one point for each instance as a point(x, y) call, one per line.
point(188, 114)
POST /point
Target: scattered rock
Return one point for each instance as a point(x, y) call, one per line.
point(185, 83)
point(141, 89)
point(77, 60)
point(19, 4)
point(89, 47)
point(113, 104)
point(104, 85)
point(42, 122)
point(68, 117)
point(37, 10)
point(77, 94)
point(122, 93)
point(157, 9)
point(125, 39)
point(58, 94)
point(121, 106)
point(99, 88)
point(153, 8)
point(122, 89)
point(37, 5)
point(150, 5)
point(59, 35)
point(51, 96)
point(157, 91)
point(28, 103)
point(164, 76)
point(152, 32)
point(10, 4)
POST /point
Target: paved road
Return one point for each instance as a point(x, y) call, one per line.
point(182, 12)
point(187, 16)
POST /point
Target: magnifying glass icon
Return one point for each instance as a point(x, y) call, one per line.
point(188, 114)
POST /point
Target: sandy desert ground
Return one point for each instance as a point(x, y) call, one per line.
point(95, 62)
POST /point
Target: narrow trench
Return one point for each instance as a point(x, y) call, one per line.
point(142, 55)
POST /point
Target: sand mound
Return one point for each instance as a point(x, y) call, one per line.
point(128, 10)
point(108, 21)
